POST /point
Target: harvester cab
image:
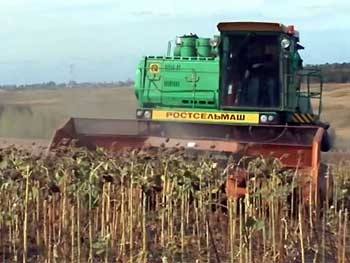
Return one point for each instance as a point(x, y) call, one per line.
point(250, 70)
point(242, 90)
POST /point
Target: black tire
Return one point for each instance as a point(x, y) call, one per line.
point(327, 140)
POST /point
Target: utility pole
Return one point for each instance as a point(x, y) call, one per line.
point(71, 75)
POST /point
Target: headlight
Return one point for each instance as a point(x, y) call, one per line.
point(147, 114)
point(285, 43)
point(270, 118)
point(139, 113)
point(263, 118)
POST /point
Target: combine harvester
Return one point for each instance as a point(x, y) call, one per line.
point(239, 91)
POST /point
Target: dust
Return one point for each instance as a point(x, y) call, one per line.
point(110, 103)
point(37, 113)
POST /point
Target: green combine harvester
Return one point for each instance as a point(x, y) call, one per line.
point(245, 89)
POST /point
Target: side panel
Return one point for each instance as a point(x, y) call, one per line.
point(171, 82)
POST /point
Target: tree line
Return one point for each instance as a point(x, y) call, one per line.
point(333, 72)
point(71, 84)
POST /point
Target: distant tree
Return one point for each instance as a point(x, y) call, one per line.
point(51, 84)
point(334, 72)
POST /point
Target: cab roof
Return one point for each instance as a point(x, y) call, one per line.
point(252, 26)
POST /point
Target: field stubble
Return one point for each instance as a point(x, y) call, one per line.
point(147, 205)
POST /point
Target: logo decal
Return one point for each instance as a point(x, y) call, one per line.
point(154, 68)
point(238, 117)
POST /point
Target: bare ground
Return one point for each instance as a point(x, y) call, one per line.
point(33, 115)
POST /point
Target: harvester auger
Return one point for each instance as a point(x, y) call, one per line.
point(244, 90)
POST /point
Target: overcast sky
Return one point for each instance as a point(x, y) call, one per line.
point(104, 39)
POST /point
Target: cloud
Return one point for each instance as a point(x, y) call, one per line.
point(39, 4)
point(197, 8)
point(61, 31)
point(311, 14)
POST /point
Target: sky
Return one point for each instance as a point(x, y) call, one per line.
point(103, 40)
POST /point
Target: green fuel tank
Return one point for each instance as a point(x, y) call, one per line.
point(194, 46)
point(188, 46)
point(203, 47)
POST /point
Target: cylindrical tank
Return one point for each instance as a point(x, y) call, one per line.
point(177, 50)
point(214, 51)
point(203, 47)
point(188, 46)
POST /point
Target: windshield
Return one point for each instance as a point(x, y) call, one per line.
point(250, 70)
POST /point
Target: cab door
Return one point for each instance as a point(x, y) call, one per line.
point(289, 80)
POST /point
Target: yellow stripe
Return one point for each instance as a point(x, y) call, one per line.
point(298, 117)
point(294, 119)
point(310, 116)
point(305, 118)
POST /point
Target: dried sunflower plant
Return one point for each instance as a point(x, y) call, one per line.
point(162, 205)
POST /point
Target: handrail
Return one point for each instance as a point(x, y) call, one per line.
point(308, 93)
point(181, 90)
